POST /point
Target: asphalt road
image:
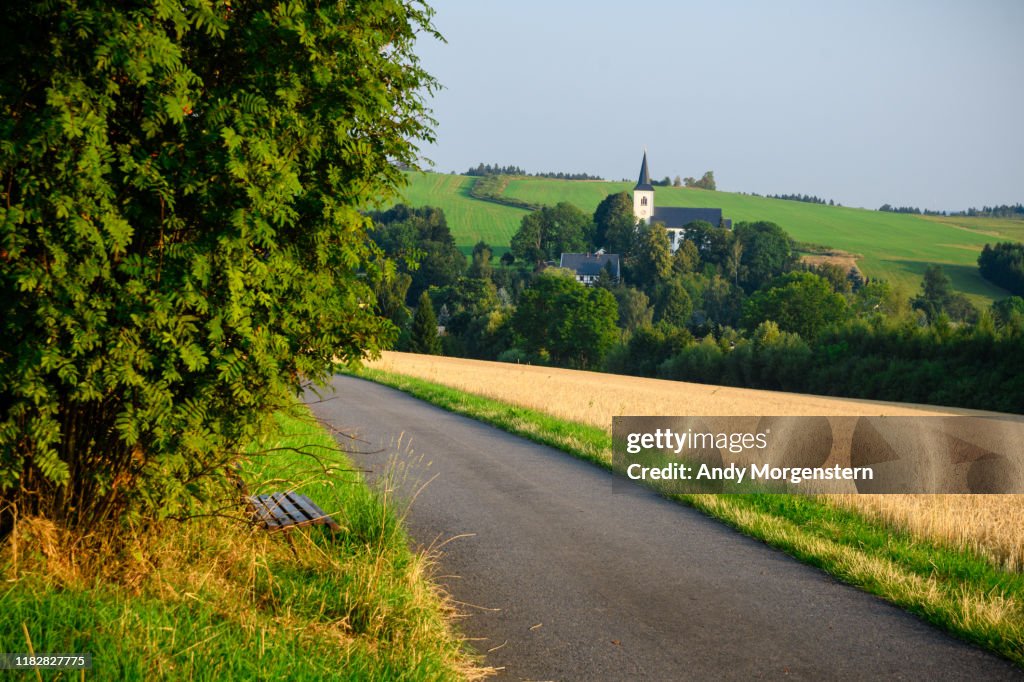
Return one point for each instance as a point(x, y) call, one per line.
point(562, 579)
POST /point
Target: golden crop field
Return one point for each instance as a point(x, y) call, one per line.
point(990, 524)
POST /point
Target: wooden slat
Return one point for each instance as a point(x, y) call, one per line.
point(314, 511)
point(296, 515)
point(263, 508)
point(280, 511)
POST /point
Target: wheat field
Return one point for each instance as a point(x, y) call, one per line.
point(990, 524)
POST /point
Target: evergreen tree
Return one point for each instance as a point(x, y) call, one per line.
point(423, 336)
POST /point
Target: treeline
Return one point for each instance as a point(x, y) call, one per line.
point(806, 198)
point(1003, 265)
point(888, 208)
point(731, 307)
point(1003, 211)
point(483, 170)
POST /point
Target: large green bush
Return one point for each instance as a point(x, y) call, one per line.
point(181, 243)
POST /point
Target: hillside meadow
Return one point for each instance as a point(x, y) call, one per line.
point(891, 246)
point(471, 220)
point(992, 525)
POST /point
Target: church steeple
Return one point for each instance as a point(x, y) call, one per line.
point(643, 194)
point(644, 183)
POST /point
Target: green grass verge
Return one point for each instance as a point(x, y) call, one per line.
point(950, 587)
point(896, 247)
point(214, 599)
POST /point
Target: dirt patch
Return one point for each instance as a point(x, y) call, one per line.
point(847, 261)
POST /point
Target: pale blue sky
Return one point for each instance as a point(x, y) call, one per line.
point(910, 103)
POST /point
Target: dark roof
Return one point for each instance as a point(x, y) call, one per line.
point(681, 217)
point(590, 263)
point(644, 183)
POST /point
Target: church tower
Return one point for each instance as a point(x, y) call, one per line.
point(643, 194)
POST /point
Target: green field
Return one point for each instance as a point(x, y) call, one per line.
point(896, 247)
point(1002, 229)
point(470, 219)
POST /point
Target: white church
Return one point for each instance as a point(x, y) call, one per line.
point(675, 219)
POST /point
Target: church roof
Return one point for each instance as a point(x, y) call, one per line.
point(590, 263)
point(644, 183)
point(673, 216)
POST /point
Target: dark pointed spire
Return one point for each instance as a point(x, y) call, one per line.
point(644, 183)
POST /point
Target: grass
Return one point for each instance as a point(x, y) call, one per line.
point(214, 599)
point(1000, 229)
point(953, 587)
point(470, 220)
point(896, 247)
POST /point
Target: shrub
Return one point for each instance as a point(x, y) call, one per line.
point(181, 243)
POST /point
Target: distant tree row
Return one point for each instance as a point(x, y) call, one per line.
point(707, 181)
point(1003, 265)
point(806, 198)
point(913, 210)
point(482, 170)
point(1002, 211)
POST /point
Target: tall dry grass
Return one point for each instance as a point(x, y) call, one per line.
point(992, 525)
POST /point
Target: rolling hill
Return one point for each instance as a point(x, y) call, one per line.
point(470, 219)
point(892, 246)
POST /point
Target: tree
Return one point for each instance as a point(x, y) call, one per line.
point(1003, 265)
point(938, 297)
point(674, 304)
point(567, 322)
point(183, 248)
point(686, 258)
point(480, 266)
point(798, 302)
point(1009, 312)
point(423, 336)
point(707, 181)
point(649, 347)
point(615, 224)
point(470, 302)
point(546, 234)
point(653, 260)
point(766, 253)
point(421, 242)
point(391, 296)
point(713, 243)
point(634, 308)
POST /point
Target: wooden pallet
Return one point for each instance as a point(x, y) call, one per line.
point(280, 511)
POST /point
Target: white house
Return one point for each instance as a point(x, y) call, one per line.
point(588, 266)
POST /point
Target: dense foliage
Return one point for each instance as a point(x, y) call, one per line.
point(566, 323)
point(706, 181)
point(548, 233)
point(1003, 265)
point(181, 243)
point(420, 242)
